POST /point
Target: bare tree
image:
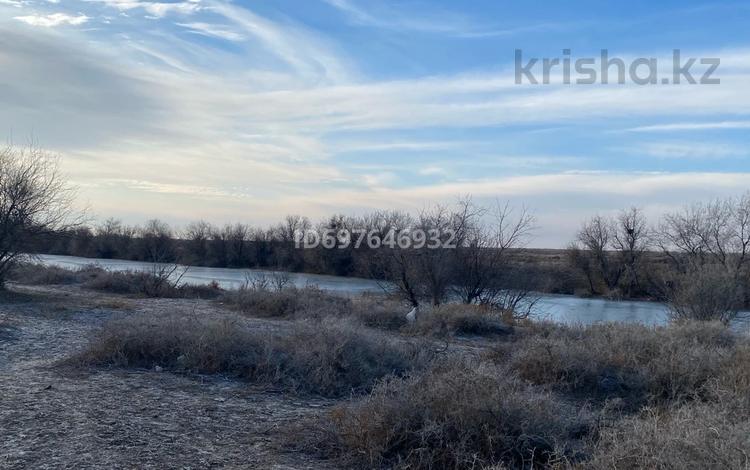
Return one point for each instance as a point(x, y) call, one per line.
point(34, 201)
point(198, 235)
point(631, 238)
point(158, 248)
point(595, 240)
point(482, 261)
point(237, 236)
point(396, 266)
point(709, 247)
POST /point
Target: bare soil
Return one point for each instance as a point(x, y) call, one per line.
point(53, 416)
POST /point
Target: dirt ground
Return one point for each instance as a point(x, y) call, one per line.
point(58, 417)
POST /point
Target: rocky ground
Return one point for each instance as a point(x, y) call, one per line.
point(54, 416)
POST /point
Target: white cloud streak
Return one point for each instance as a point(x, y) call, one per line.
point(693, 126)
point(52, 20)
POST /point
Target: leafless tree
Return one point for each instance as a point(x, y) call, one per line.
point(582, 261)
point(198, 235)
point(158, 248)
point(396, 267)
point(435, 265)
point(34, 201)
point(631, 239)
point(292, 227)
point(709, 246)
point(482, 261)
point(237, 236)
point(596, 236)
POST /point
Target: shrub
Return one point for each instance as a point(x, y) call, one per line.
point(379, 313)
point(287, 302)
point(457, 415)
point(628, 361)
point(695, 436)
point(327, 359)
point(39, 274)
point(459, 319)
point(199, 291)
point(125, 282)
point(706, 294)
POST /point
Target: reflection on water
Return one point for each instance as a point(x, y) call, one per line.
point(557, 308)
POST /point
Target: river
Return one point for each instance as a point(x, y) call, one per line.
point(557, 308)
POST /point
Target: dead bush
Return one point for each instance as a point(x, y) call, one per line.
point(330, 359)
point(459, 319)
point(457, 415)
point(689, 437)
point(39, 274)
point(287, 302)
point(379, 313)
point(709, 293)
point(635, 362)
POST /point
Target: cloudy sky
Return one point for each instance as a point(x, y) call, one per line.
point(248, 110)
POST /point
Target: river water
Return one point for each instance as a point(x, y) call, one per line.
point(557, 308)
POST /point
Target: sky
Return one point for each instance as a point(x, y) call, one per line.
point(250, 110)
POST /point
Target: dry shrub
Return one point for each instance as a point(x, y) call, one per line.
point(457, 415)
point(380, 313)
point(459, 319)
point(148, 284)
point(39, 274)
point(125, 282)
point(200, 291)
point(328, 359)
point(628, 361)
point(706, 294)
point(287, 302)
point(694, 436)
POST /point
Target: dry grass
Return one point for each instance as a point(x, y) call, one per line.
point(609, 396)
point(690, 437)
point(288, 302)
point(329, 359)
point(38, 274)
point(114, 282)
point(636, 363)
point(457, 415)
point(378, 312)
point(459, 320)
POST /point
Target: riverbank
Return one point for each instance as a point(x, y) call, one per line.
point(558, 308)
point(92, 379)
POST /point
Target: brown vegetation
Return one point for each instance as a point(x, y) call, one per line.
point(459, 415)
point(330, 359)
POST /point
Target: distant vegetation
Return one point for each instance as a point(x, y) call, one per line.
point(697, 259)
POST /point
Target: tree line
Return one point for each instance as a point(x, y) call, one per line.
point(697, 258)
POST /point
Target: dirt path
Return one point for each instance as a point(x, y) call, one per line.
point(52, 417)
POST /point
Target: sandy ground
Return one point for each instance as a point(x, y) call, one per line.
point(57, 417)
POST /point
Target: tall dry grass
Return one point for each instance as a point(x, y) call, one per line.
point(458, 415)
point(330, 358)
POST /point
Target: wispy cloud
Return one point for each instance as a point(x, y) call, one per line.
point(213, 30)
point(690, 150)
point(429, 19)
point(54, 19)
point(301, 49)
point(12, 3)
point(693, 126)
point(390, 18)
point(154, 9)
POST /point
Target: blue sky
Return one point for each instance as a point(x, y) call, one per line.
point(246, 111)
